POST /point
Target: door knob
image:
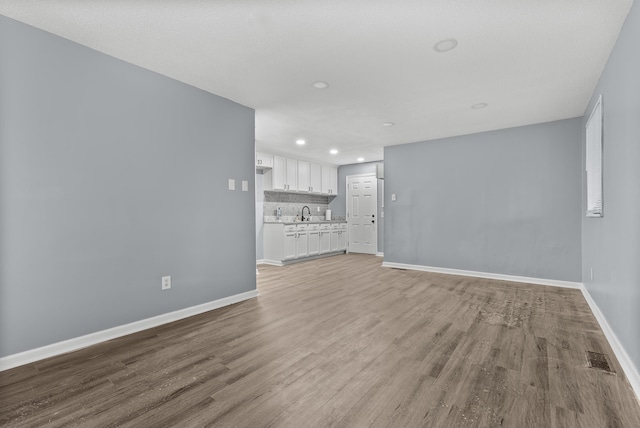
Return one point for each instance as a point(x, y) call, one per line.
point(373, 221)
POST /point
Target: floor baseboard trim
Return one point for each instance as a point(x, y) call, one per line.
point(630, 370)
point(487, 275)
point(272, 262)
point(32, 355)
point(260, 262)
point(379, 254)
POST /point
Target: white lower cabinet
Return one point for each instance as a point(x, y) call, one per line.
point(334, 237)
point(289, 243)
point(325, 238)
point(314, 239)
point(302, 241)
point(338, 237)
point(286, 242)
point(342, 237)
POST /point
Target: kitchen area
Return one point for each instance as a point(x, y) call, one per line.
point(293, 219)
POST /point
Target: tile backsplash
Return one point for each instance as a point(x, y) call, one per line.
point(292, 203)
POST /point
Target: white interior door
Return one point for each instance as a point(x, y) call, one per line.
point(362, 206)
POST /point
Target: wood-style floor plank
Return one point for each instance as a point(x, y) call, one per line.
point(343, 342)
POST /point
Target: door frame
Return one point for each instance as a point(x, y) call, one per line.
point(346, 202)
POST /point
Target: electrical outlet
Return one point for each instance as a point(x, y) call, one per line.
point(393, 197)
point(318, 209)
point(382, 214)
point(166, 282)
point(245, 186)
point(232, 184)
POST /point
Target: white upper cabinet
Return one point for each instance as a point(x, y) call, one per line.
point(292, 174)
point(333, 179)
point(279, 173)
point(329, 180)
point(304, 179)
point(297, 175)
point(264, 160)
point(316, 178)
point(283, 176)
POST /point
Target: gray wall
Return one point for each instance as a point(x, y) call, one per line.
point(505, 202)
point(611, 244)
point(111, 177)
point(338, 205)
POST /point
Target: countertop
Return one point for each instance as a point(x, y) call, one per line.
point(305, 222)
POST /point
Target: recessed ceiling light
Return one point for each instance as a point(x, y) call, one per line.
point(445, 45)
point(388, 124)
point(360, 159)
point(333, 151)
point(320, 85)
point(300, 142)
point(479, 106)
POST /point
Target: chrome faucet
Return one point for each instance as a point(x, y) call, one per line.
point(308, 218)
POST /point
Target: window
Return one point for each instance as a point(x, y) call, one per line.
point(594, 161)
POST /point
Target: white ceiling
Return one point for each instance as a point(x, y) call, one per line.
point(531, 61)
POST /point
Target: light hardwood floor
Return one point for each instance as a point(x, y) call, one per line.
point(343, 342)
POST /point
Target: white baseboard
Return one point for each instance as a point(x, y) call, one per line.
point(76, 343)
point(379, 254)
point(502, 277)
point(272, 262)
point(260, 262)
point(630, 370)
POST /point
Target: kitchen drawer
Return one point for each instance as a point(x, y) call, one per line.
point(290, 228)
point(343, 226)
point(313, 226)
point(302, 227)
point(325, 226)
point(335, 226)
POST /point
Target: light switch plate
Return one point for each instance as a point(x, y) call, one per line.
point(245, 186)
point(393, 197)
point(232, 184)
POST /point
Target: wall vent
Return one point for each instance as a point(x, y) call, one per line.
point(598, 361)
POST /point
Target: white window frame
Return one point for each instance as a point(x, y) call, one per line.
point(594, 160)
